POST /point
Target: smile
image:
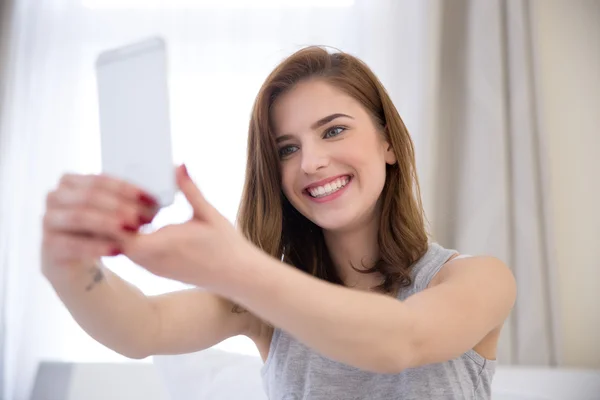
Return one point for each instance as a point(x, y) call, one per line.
point(322, 191)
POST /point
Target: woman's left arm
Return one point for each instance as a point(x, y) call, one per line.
point(372, 331)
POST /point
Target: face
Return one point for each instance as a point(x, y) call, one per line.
point(332, 155)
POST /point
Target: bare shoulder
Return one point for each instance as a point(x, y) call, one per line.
point(488, 281)
point(486, 270)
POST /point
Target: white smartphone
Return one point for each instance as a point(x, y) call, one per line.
point(134, 117)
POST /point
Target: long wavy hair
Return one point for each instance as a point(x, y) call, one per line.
point(267, 218)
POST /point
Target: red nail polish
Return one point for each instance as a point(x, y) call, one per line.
point(129, 228)
point(144, 220)
point(147, 200)
point(115, 252)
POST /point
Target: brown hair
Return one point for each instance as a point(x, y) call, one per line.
point(268, 219)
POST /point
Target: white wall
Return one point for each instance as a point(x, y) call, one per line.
point(567, 43)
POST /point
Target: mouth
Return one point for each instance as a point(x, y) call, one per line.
point(327, 189)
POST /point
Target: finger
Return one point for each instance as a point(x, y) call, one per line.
point(88, 221)
point(118, 187)
point(106, 193)
point(202, 208)
point(65, 246)
point(131, 213)
point(93, 199)
point(153, 250)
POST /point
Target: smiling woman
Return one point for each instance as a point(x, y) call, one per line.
point(331, 189)
point(330, 120)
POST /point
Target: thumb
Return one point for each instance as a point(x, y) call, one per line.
point(202, 208)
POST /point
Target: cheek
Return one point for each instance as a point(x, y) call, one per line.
point(287, 180)
point(371, 168)
point(364, 150)
point(365, 159)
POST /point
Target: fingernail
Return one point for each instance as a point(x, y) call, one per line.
point(185, 171)
point(115, 252)
point(147, 200)
point(129, 228)
point(144, 220)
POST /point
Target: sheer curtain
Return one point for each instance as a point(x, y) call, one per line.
point(492, 176)
point(5, 13)
point(220, 52)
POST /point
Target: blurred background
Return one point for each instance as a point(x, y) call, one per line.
point(502, 98)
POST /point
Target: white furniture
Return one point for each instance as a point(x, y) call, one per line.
point(212, 374)
point(517, 383)
point(98, 381)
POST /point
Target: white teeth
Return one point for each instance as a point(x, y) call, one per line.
point(329, 188)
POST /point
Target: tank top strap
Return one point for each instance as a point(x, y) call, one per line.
point(427, 266)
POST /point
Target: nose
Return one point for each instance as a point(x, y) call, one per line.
point(314, 157)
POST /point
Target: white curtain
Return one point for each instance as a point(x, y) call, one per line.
point(219, 55)
point(5, 42)
point(490, 186)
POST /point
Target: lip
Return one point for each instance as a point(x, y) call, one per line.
point(331, 196)
point(325, 181)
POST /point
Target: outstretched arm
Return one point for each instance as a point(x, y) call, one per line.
point(376, 332)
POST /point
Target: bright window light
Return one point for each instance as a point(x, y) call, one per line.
point(174, 4)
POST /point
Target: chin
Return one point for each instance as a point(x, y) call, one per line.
point(333, 221)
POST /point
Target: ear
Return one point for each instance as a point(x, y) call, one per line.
point(390, 156)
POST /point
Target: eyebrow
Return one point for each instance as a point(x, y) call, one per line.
point(316, 125)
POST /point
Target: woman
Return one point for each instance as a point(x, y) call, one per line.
point(332, 275)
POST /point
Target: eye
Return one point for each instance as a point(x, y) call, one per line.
point(334, 131)
point(287, 150)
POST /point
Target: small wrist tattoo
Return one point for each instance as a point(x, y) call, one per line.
point(97, 276)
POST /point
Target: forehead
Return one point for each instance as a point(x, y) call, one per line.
point(307, 102)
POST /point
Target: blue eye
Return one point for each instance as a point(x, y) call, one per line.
point(336, 130)
point(287, 150)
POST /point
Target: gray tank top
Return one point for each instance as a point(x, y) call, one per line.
point(293, 371)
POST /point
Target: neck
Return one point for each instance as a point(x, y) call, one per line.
point(356, 247)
